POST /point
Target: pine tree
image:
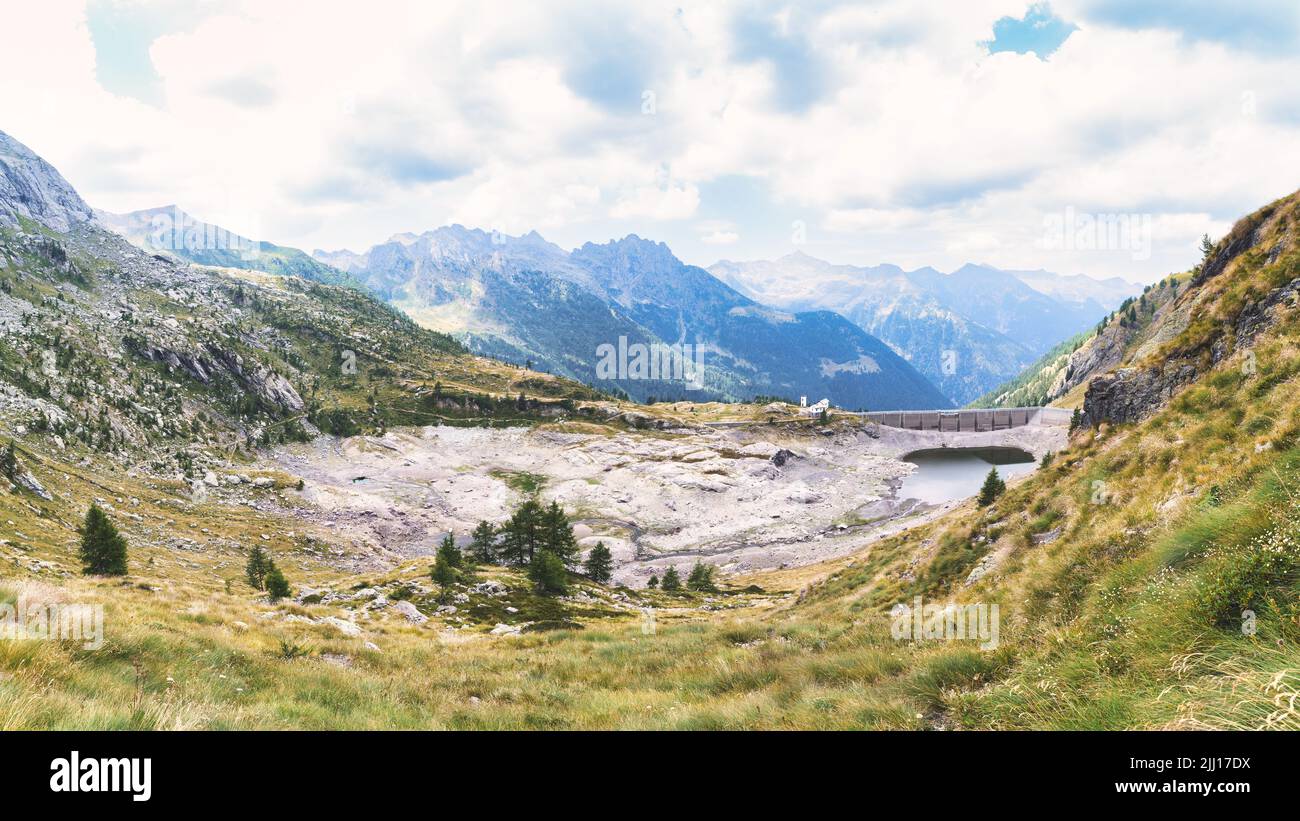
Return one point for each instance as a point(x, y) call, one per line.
point(701, 578)
point(522, 534)
point(447, 562)
point(548, 572)
point(103, 550)
point(600, 564)
point(442, 573)
point(449, 552)
point(483, 546)
point(653, 583)
point(992, 489)
point(671, 582)
point(557, 535)
point(1207, 247)
point(259, 564)
point(1076, 419)
point(277, 586)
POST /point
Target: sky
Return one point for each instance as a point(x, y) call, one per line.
point(1086, 136)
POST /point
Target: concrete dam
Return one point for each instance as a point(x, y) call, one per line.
point(976, 420)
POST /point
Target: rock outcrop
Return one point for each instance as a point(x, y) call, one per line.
point(31, 188)
point(1132, 394)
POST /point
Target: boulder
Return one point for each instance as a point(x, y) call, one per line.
point(410, 612)
point(760, 450)
point(782, 456)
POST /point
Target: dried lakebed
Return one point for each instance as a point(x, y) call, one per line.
point(743, 499)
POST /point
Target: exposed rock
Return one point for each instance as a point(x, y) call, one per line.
point(760, 450)
point(1048, 537)
point(699, 456)
point(1131, 394)
point(782, 456)
point(344, 626)
point(30, 187)
point(28, 481)
point(411, 612)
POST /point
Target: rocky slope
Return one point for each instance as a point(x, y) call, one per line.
point(1057, 377)
point(111, 351)
point(31, 189)
point(1144, 353)
point(1245, 288)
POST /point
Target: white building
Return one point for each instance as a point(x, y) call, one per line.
point(814, 410)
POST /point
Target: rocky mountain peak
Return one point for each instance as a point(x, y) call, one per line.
point(31, 188)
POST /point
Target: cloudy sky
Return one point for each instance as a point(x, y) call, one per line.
point(919, 133)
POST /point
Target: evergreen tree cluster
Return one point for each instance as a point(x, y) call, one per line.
point(701, 579)
point(537, 537)
point(263, 574)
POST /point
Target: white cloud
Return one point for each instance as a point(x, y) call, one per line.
point(909, 143)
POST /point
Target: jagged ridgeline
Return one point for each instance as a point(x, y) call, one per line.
point(109, 346)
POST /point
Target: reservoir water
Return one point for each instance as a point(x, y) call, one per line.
point(944, 474)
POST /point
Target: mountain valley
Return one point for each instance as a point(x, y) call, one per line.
point(214, 409)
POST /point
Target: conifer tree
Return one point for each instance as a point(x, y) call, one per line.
point(442, 573)
point(277, 586)
point(701, 578)
point(449, 552)
point(653, 583)
point(600, 564)
point(557, 535)
point(446, 563)
point(483, 546)
point(548, 572)
point(671, 582)
point(259, 564)
point(522, 534)
point(992, 488)
point(103, 550)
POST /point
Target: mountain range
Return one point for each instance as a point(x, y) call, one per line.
point(527, 301)
point(865, 337)
point(967, 332)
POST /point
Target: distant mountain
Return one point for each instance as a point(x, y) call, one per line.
point(171, 231)
point(524, 298)
point(967, 332)
point(1078, 288)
